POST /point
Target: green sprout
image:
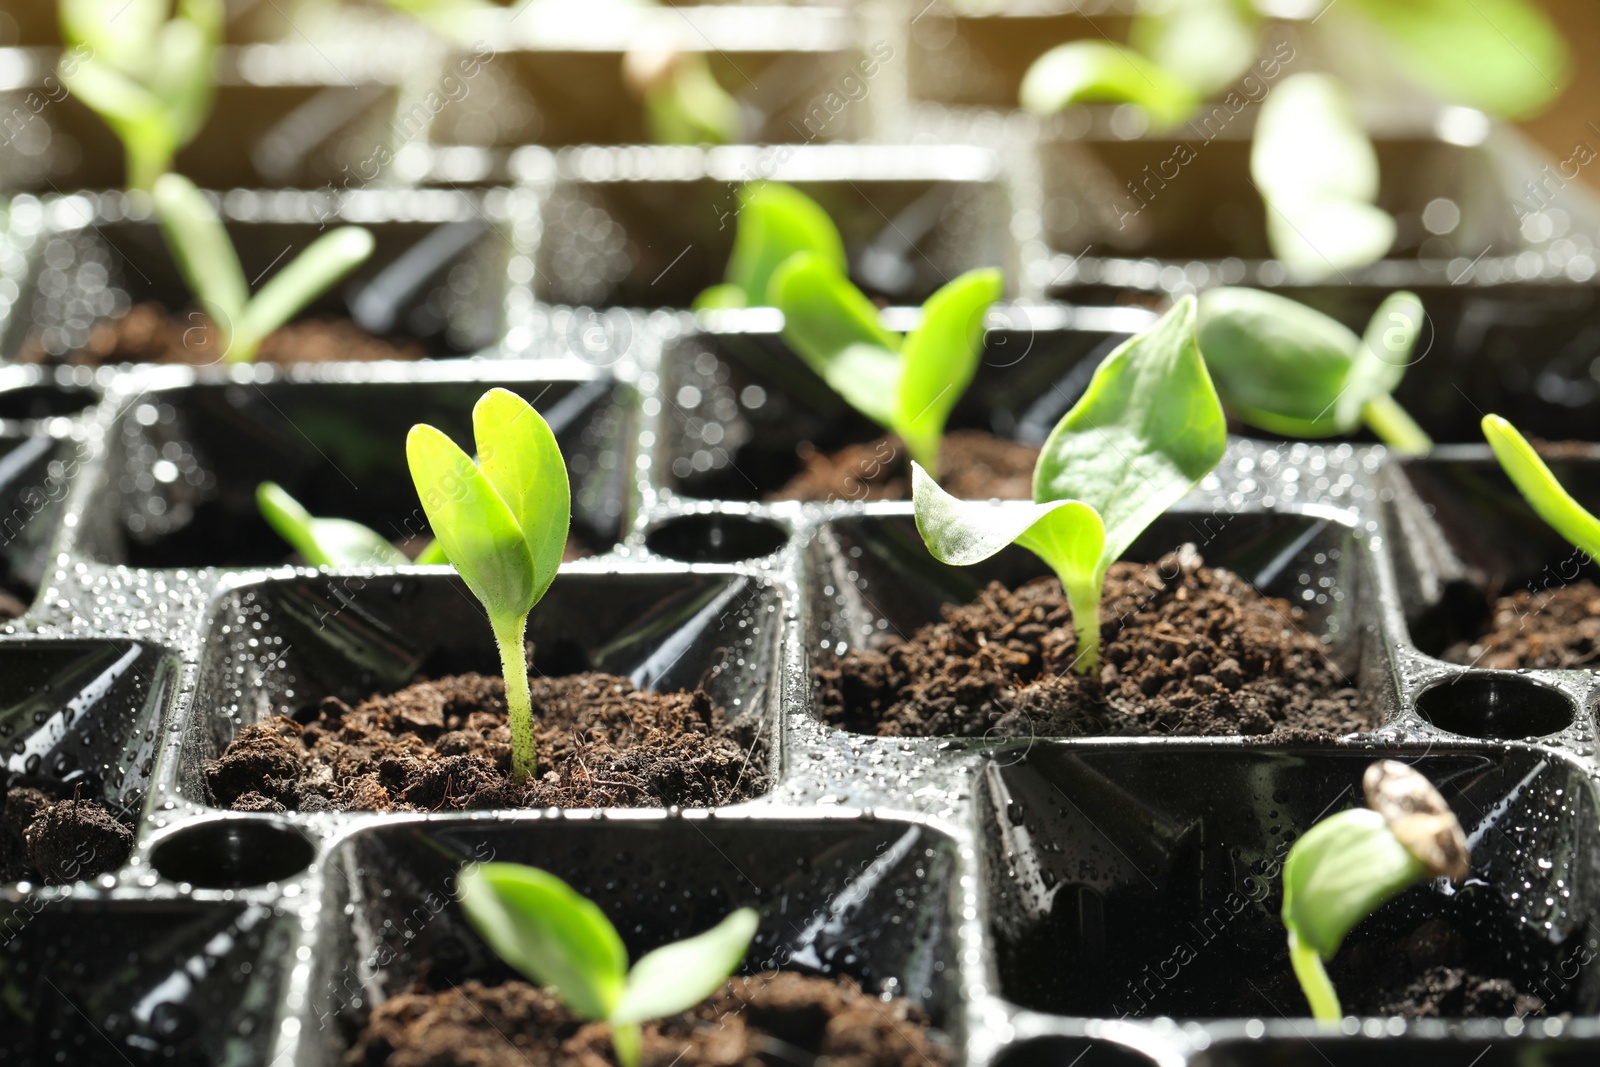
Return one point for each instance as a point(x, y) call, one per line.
point(200, 244)
point(502, 521)
point(1292, 370)
point(909, 385)
point(558, 938)
point(1146, 431)
point(147, 75)
point(775, 222)
point(332, 542)
point(1348, 865)
point(1539, 487)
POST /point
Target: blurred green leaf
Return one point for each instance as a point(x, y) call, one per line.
point(1207, 44)
point(776, 221)
point(1503, 56)
point(324, 542)
point(678, 976)
point(1098, 71)
point(835, 329)
point(1318, 174)
point(548, 931)
point(939, 359)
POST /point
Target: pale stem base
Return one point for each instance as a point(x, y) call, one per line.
point(509, 635)
point(1084, 600)
point(1314, 981)
point(628, 1040)
point(1395, 427)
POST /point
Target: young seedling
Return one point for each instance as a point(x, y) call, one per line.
point(557, 938)
point(1538, 486)
point(502, 521)
point(775, 221)
point(332, 542)
point(148, 76)
point(1146, 431)
point(684, 103)
point(908, 385)
point(1292, 370)
point(204, 253)
point(1348, 865)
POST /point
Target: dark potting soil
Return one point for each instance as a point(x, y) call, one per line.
point(1428, 973)
point(58, 841)
point(148, 333)
point(767, 1019)
point(973, 465)
point(1185, 649)
point(1558, 627)
point(446, 744)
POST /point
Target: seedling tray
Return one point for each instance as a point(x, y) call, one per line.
point(1046, 900)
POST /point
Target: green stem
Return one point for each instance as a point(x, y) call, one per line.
point(509, 635)
point(1395, 427)
point(628, 1040)
point(1084, 599)
point(146, 162)
point(1314, 982)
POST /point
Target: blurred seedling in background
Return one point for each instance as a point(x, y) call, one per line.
point(502, 522)
point(775, 221)
point(559, 939)
point(1289, 369)
point(1311, 159)
point(908, 385)
point(147, 75)
point(333, 542)
point(1146, 431)
point(683, 101)
point(1348, 865)
point(200, 244)
point(1539, 487)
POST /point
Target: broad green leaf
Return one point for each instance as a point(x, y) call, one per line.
point(1339, 872)
point(939, 359)
point(479, 534)
point(1276, 363)
point(126, 106)
point(678, 976)
point(1316, 239)
point(776, 221)
point(519, 455)
point(1381, 357)
point(1146, 431)
point(1504, 56)
point(310, 274)
point(200, 244)
point(324, 542)
point(1208, 44)
point(119, 32)
point(964, 532)
point(1318, 174)
point(547, 931)
point(185, 78)
point(835, 329)
point(1098, 71)
point(1538, 485)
